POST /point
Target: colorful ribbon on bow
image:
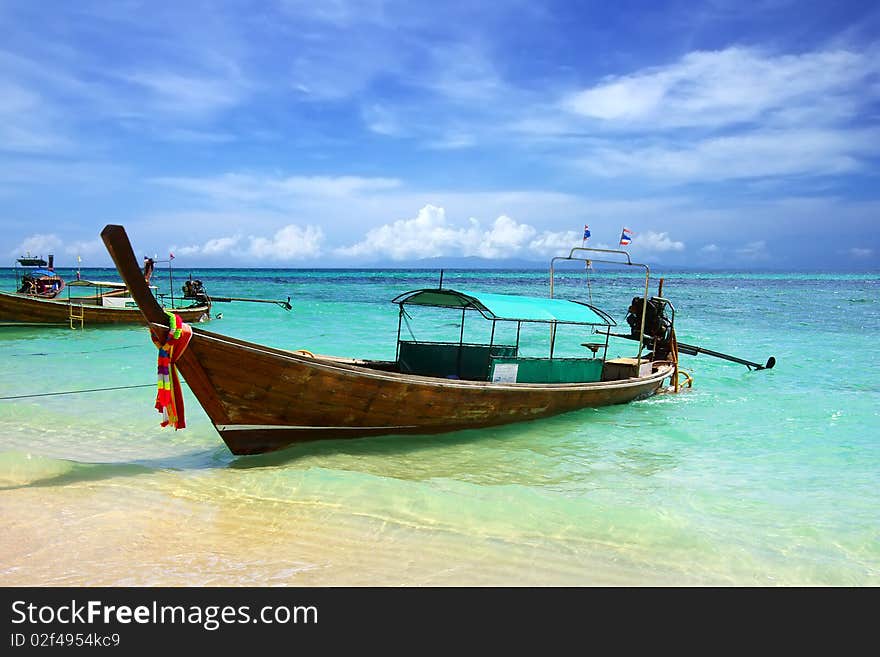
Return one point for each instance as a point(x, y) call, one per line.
point(169, 400)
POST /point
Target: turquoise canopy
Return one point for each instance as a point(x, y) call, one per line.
point(509, 307)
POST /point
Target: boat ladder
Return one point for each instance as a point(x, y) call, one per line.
point(77, 314)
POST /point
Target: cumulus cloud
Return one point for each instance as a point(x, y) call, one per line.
point(290, 243)
point(42, 244)
point(38, 244)
point(549, 243)
point(215, 246)
point(656, 243)
point(431, 234)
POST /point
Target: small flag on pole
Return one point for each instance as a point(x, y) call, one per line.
point(626, 237)
point(170, 256)
point(586, 232)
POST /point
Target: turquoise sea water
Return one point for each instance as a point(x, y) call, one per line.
point(764, 478)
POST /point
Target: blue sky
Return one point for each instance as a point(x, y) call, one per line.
point(342, 133)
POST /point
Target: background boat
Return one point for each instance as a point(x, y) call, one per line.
point(85, 311)
point(38, 300)
point(36, 277)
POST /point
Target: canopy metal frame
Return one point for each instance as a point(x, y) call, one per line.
point(628, 263)
point(402, 299)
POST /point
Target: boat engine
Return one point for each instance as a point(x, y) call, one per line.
point(194, 289)
point(658, 327)
point(28, 285)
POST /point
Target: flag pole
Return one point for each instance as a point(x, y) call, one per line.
point(588, 264)
point(171, 278)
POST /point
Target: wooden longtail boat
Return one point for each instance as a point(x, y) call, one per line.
point(39, 278)
point(38, 301)
point(261, 399)
point(82, 311)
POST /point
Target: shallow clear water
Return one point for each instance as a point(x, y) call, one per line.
point(768, 477)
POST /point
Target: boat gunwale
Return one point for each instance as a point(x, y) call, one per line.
point(75, 301)
point(352, 369)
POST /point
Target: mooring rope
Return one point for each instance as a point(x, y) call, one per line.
point(76, 392)
point(67, 353)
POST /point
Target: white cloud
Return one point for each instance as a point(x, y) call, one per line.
point(193, 136)
point(44, 244)
point(26, 171)
point(857, 252)
point(756, 250)
point(452, 141)
point(553, 244)
point(749, 155)
point(430, 234)
point(290, 243)
point(276, 191)
point(215, 246)
point(38, 244)
point(735, 85)
point(710, 248)
point(462, 72)
point(505, 238)
point(27, 125)
point(84, 248)
point(381, 120)
point(732, 114)
point(186, 94)
point(655, 243)
point(220, 245)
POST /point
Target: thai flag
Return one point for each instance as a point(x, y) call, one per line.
point(586, 232)
point(626, 237)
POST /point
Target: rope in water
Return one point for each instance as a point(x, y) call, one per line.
point(76, 392)
point(68, 353)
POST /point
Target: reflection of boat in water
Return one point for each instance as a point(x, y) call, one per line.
point(38, 300)
point(260, 398)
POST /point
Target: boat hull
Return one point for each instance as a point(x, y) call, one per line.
point(287, 398)
point(32, 310)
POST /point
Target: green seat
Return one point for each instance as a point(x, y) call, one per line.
point(450, 360)
point(546, 370)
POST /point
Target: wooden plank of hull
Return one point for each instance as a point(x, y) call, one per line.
point(18, 308)
point(286, 398)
